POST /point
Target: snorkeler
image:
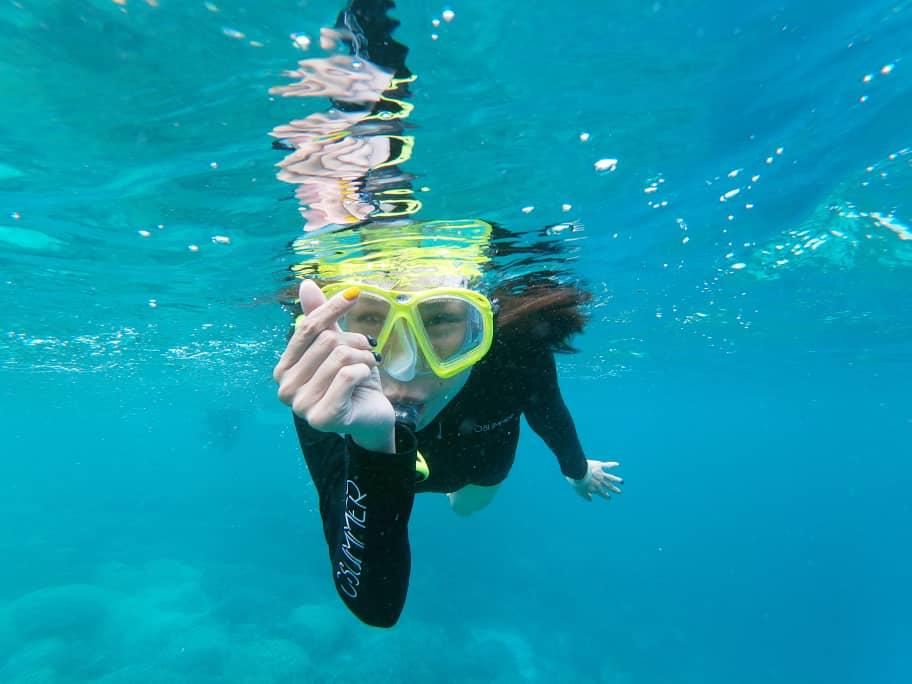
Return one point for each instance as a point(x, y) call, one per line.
point(376, 377)
point(406, 374)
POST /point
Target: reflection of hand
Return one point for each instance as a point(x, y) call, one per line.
point(330, 377)
point(327, 202)
point(319, 126)
point(349, 157)
point(334, 152)
point(341, 77)
point(598, 481)
point(328, 175)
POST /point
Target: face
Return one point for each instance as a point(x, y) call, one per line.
point(446, 323)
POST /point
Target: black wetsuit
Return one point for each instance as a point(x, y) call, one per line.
point(366, 497)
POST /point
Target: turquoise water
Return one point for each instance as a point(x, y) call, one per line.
point(748, 360)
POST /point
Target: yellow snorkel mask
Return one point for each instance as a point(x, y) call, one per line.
point(444, 330)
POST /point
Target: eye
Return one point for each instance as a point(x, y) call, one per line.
point(369, 318)
point(442, 319)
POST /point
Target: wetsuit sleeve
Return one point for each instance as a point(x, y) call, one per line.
point(549, 416)
point(365, 503)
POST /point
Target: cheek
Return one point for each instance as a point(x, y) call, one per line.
point(443, 391)
point(436, 388)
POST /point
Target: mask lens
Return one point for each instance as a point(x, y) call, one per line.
point(453, 326)
point(367, 316)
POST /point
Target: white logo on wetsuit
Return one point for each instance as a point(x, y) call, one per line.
point(493, 426)
point(348, 573)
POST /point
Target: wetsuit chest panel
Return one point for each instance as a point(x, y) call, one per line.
point(473, 440)
point(469, 457)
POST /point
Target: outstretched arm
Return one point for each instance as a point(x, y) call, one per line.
point(549, 416)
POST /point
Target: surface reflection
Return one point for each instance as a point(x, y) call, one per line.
point(344, 162)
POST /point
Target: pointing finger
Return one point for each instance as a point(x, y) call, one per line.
point(321, 315)
point(315, 305)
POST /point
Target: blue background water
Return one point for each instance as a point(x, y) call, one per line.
point(159, 525)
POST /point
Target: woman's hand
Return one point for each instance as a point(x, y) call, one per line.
point(598, 481)
point(329, 377)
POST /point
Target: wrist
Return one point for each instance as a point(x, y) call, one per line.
point(584, 482)
point(379, 441)
point(381, 444)
point(586, 479)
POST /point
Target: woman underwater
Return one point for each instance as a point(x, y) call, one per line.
point(406, 377)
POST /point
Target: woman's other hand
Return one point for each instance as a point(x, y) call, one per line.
point(598, 480)
point(330, 379)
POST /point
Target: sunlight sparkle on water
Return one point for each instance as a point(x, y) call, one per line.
point(902, 231)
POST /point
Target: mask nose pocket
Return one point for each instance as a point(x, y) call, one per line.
point(400, 356)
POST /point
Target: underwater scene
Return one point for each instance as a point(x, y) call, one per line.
point(481, 342)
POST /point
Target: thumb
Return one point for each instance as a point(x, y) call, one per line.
point(310, 296)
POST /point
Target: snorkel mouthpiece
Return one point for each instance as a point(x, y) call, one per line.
point(406, 414)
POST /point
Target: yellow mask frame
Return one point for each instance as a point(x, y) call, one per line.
point(404, 307)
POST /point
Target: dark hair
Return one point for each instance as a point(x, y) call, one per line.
point(537, 311)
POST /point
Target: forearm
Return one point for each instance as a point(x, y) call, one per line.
point(554, 424)
point(549, 416)
point(365, 502)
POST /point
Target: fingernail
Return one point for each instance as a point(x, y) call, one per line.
point(377, 356)
point(351, 293)
point(372, 341)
